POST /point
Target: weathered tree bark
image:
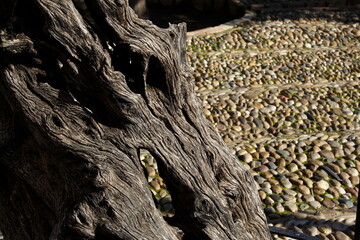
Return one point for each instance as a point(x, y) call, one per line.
point(82, 89)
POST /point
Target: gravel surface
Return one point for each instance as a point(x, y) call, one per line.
point(283, 91)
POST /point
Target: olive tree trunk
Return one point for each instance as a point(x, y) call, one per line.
point(84, 86)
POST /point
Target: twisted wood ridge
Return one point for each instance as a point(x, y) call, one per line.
point(84, 86)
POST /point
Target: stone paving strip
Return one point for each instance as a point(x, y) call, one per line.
point(326, 225)
point(214, 71)
point(276, 112)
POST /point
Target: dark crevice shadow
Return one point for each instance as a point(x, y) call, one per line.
point(102, 233)
point(156, 76)
point(156, 171)
point(188, 228)
point(132, 65)
point(161, 193)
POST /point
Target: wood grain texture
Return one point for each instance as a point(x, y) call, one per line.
point(84, 86)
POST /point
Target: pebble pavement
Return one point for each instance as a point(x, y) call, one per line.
point(283, 91)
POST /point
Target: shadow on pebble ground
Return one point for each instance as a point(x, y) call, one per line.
point(195, 19)
point(344, 16)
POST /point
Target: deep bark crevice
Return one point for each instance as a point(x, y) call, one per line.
point(155, 77)
point(101, 233)
point(132, 65)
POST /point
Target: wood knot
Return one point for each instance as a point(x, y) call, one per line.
point(203, 206)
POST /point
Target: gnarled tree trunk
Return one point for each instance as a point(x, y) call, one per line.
point(84, 86)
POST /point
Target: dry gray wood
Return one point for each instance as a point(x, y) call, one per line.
point(83, 88)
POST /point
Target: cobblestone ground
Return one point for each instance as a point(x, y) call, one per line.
point(283, 91)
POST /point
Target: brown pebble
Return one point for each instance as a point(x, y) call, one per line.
point(328, 203)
